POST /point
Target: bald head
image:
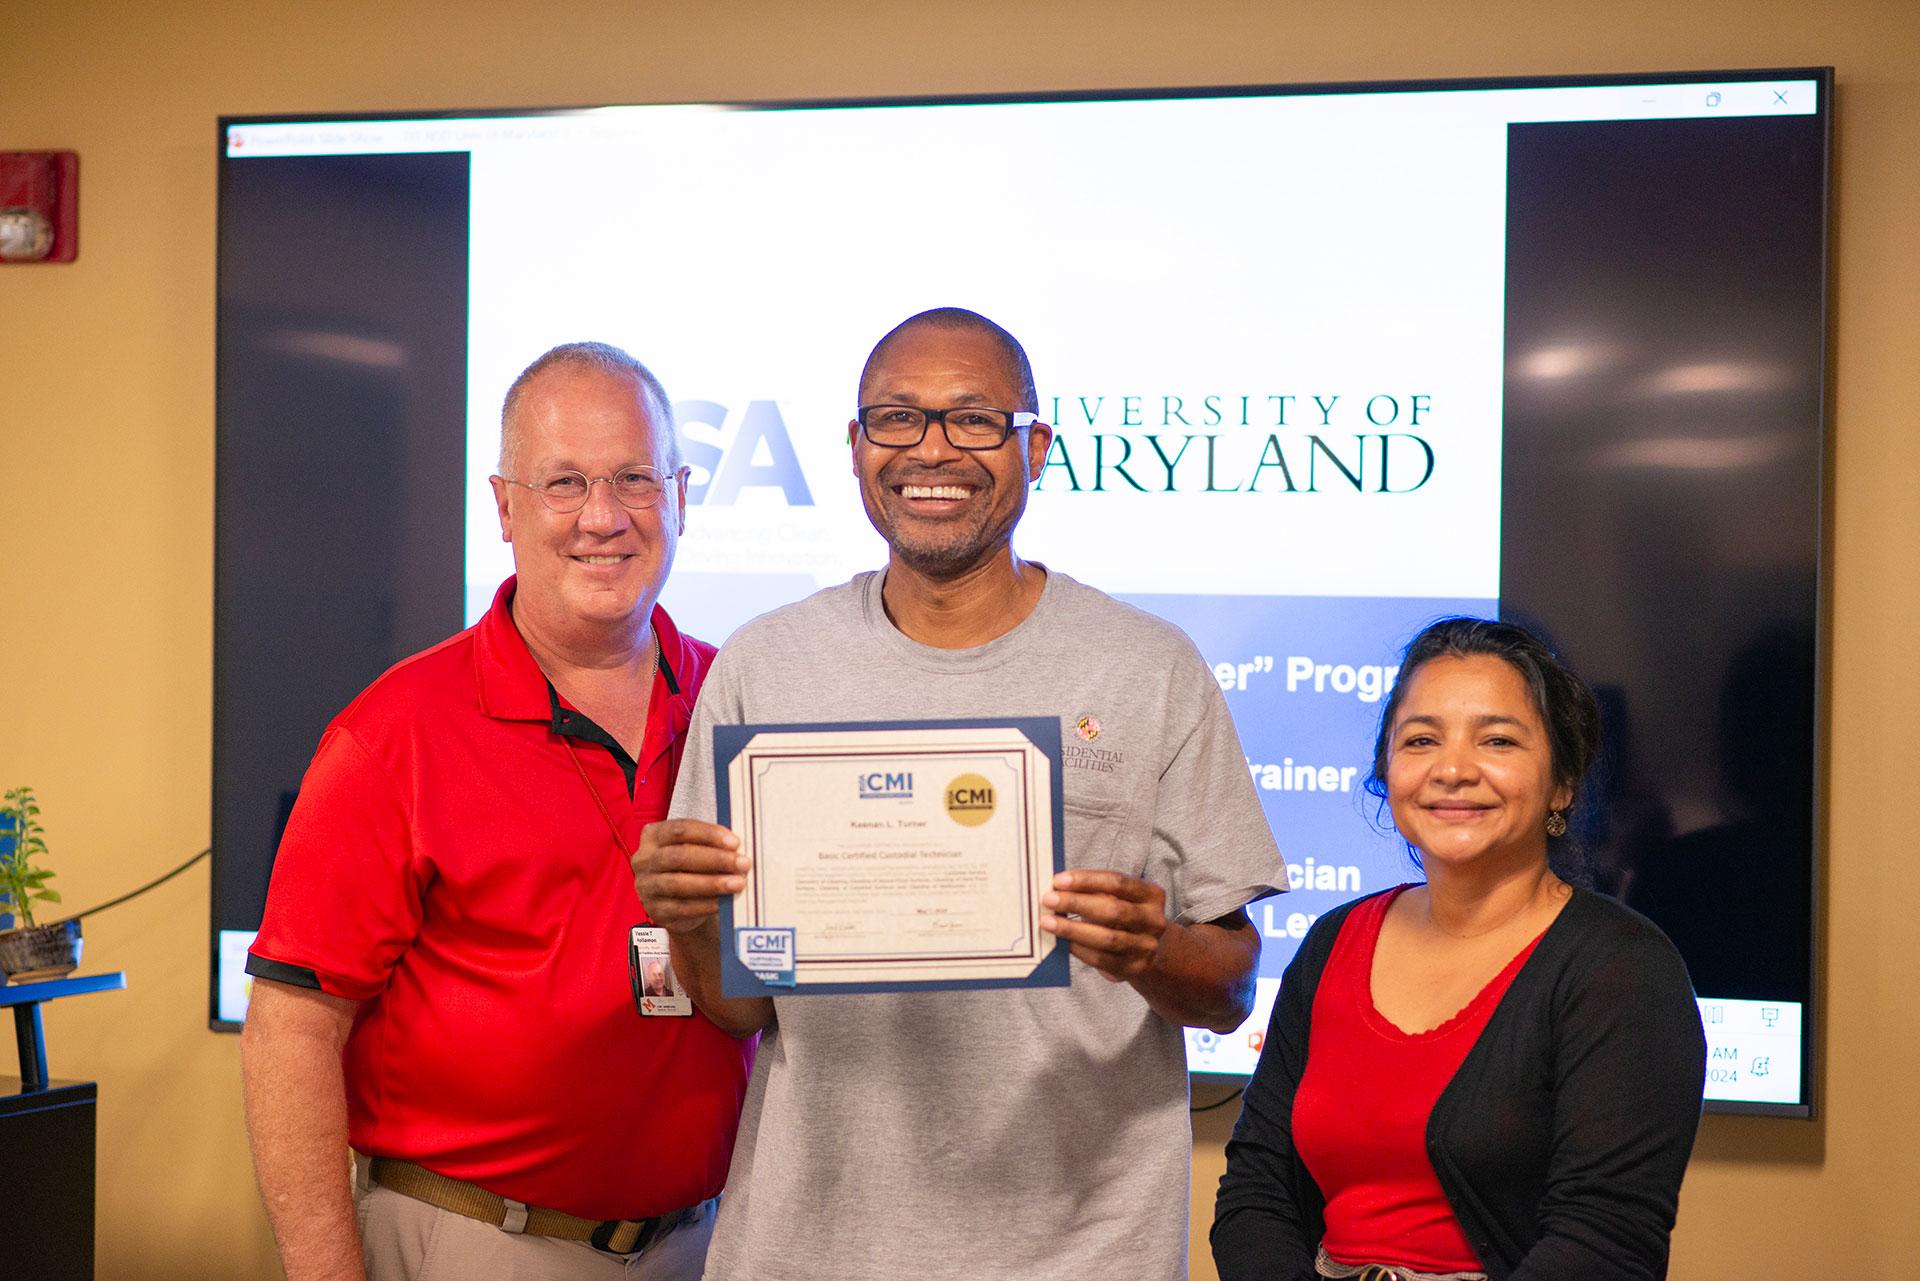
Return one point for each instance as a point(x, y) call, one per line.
point(960, 320)
point(592, 357)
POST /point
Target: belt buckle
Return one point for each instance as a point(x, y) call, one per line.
point(603, 1235)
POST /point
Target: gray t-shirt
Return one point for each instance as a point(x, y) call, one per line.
point(978, 1135)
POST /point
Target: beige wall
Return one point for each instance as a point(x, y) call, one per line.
point(106, 464)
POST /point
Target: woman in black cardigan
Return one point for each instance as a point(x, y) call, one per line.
point(1505, 1072)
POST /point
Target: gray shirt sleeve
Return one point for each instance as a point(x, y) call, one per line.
point(1211, 846)
point(720, 703)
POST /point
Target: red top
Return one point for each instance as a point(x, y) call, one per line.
point(1360, 1112)
point(446, 865)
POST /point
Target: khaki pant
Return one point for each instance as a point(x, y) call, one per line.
point(407, 1240)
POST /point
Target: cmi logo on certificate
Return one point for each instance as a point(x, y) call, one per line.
point(886, 785)
point(767, 951)
point(969, 800)
point(656, 988)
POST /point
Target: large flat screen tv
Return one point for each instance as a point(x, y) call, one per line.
point(1324, 362)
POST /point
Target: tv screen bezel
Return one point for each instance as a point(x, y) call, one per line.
point(1823, 76)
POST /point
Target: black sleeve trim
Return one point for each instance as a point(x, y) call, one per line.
point(262, 967)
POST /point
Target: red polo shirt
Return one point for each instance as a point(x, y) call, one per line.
point(446, 866)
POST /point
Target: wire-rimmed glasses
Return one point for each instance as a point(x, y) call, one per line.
point(635, 488)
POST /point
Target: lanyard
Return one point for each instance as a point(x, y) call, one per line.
point(613, 828)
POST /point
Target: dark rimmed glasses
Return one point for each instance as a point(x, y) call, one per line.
point(966, 426)
point(635, 488)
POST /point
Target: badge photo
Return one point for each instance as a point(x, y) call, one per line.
point(657, 992)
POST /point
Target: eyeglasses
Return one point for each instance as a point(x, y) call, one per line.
point(966, 426)
point(636, 488)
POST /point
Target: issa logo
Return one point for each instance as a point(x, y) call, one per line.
point(721, 475)
point(886, 786)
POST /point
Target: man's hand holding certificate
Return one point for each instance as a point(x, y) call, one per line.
point(1113, 922)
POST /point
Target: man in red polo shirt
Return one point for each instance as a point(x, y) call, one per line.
point(448, 977)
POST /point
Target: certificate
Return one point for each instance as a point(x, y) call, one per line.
point(891, 856)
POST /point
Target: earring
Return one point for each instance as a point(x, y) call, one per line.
point(1556, 823)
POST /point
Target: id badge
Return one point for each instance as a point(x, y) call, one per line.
point(656, 988)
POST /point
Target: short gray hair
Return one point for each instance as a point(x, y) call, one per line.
point(603, 358)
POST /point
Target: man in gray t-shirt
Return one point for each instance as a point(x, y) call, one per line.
point(1030, 1133)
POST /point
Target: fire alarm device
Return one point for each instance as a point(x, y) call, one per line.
point(39, 206)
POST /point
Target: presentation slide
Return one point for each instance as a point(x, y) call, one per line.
point(1268, 333)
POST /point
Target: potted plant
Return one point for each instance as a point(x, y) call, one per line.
point(30, 951)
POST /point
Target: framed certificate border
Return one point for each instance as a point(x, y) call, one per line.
point(1051, 970)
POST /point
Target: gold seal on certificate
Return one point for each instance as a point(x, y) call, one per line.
point(891, 855)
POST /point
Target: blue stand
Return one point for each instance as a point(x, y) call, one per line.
point(25, 998)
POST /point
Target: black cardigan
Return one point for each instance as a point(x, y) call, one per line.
point(1561, 1141)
